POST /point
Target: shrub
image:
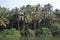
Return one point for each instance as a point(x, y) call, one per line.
point(46, 31)
point(38, 32)
point(55, 29)
point(9, 32)
point(27, 32)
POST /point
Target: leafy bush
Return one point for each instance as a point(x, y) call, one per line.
point(38, 32)
point(27, 32)
point(9, 32)
point(55, 27)
point(46, 31)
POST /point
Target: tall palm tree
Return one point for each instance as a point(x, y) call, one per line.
point(36, 16)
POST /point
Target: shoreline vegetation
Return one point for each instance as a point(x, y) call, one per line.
point(30, 23)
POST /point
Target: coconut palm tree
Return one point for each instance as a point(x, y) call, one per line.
point(3, 22)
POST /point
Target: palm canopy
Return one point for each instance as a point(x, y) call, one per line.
point(3, 22)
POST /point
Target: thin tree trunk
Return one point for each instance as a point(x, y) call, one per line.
point(24, 24)
point(18, 26)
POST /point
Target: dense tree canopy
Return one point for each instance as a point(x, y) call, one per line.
point(30, 16)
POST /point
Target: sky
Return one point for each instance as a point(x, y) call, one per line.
point(19, 3)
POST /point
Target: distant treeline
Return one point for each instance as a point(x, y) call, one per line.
point(32, 17)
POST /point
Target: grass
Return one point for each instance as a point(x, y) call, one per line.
point(9, 37)
point(13, 37)
point(40, 38)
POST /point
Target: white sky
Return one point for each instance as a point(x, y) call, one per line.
point(18, 3)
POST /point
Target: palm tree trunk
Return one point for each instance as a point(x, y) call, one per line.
point(18, 25)
point(24, 24)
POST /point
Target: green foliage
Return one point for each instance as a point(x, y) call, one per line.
point(55, 27)
point(39, 31)
point(9, 32)
point(46, 31)
point(35, 17)
point(28, 32)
